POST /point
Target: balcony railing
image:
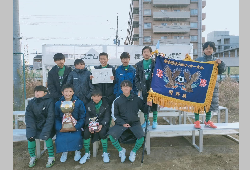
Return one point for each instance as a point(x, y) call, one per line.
point(135, 4)
point(136, 17)
point(164, 3)
point(136, 31)
point(203, 28)
point(172, 41)
point(171, 29)
point(203, 16)
point(203, 4)
point(166, 16)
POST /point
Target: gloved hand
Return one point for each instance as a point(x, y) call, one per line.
point(31, 139)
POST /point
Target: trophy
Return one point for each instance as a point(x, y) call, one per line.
point(68, 122)
point(94, 124)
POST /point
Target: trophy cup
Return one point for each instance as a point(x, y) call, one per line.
point(94, 124)
point(68, 121)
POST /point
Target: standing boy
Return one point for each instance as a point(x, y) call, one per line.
point(124, 72)
point(107, 89)
point(208, 49)
point(39, 118)
point(80, 79)
point(57, 76)
point(143, 79)
point(126, 108)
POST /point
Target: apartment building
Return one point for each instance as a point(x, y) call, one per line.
point(169, 21)
point(226, 45)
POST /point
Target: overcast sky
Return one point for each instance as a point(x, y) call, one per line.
point(94, 21)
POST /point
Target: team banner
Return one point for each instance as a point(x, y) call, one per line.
point(185, 85)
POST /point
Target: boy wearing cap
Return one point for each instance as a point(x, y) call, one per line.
point(39, 118)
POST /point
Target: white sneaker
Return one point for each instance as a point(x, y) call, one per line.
point(77, 155)
point(50, 163)
point(132, 156)
point(32, 161)
point(84, 158)
point(64, 156)
point(122, 154)
point(105, 157)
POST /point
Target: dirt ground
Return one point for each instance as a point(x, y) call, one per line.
point(173, 153)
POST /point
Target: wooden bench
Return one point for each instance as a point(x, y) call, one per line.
point(187, 115)
point(19, 116)
point(20, 135)
point(189, 130)
point(164, 112)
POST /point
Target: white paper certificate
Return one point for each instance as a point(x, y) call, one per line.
point(102, 75)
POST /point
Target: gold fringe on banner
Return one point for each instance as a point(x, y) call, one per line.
point(183, 105)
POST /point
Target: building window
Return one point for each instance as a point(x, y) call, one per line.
point(164, 37)
point(194, 0)
point(195, 51)
point(147, 39)
point(147, 0)
point(178, 37)
point(193, 24)
point(194, 11)
point(147, 12)
point(164, 24)
point(136, 11)
point(193, 38)
point(147, 25)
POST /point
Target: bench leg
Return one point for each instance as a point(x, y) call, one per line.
point(200, 147)
point(218, 117)
point(95, 148)
point(200, 140)
point(184, 117)
point(38, 148)
point(180, 115)
point(226, 116)
point(16, 121)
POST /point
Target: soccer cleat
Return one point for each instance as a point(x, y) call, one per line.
point(77, 155)
point(105, 157)
point(132, 156)
point(144, 124)
point(64, 156)
point(32, 161)
point(210, 124)
point(197, 124)
point(154, 126)
point(122, 154)
point(50, 163)
point(84, 158)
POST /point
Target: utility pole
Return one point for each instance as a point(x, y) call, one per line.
point(17, 90)
point(116, 42)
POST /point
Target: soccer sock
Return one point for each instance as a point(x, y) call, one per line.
point(138, 144)
point(145, 116)
point(208, 116)
point(86, 143)
point(104, 145)
point(155, 116)
point(196, 116)
point(50, 147)
point(32, 148)
point(115, 143)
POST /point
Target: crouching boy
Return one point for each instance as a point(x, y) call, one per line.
point(39, 118)
point(126, 109)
